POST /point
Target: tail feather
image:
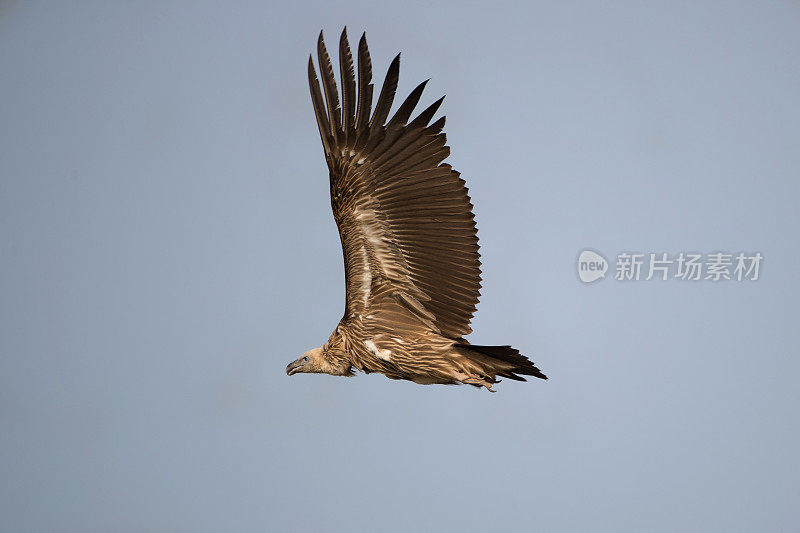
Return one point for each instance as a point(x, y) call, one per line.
point(520, 364)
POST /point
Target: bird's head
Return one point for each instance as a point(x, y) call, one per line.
point(316, 362)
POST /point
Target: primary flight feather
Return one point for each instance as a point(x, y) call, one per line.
point(409, 240)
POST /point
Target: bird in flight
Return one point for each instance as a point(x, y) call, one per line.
point(409, 240)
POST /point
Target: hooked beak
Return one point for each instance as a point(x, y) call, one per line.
point(294, 367)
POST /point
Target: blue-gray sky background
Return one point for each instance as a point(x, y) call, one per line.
point(166, 247)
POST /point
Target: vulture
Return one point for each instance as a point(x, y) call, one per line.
point(408, 235)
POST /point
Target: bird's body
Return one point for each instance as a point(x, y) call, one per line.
point(410, 245)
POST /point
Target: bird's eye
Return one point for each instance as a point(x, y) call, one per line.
point(305, 359)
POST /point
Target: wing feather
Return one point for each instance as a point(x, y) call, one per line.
point(329, 84)
point(386, 97)
point(364, 84)
point(322, 118)
point(348, 84)
point(403, 112)
point(423, 118)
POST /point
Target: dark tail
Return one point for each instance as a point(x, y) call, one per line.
point(511, 357)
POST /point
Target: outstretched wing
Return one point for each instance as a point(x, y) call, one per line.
point(405, 218)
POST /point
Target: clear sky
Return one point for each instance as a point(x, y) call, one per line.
point(167, 247)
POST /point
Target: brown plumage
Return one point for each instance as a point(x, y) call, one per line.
point(408, 236)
